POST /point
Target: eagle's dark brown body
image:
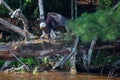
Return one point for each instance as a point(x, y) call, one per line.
point(54, 22)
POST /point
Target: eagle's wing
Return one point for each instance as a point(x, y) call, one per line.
point(59, 19)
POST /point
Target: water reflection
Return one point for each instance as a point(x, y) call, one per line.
point(50, 76)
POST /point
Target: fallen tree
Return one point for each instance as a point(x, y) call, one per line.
point(17, 14)
point(33, 48)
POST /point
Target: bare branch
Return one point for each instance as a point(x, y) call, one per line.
point(67, 57)
point(15, 28)
point(5, 4)
point(17, 13)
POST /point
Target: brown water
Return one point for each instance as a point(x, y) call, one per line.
point(51, 76)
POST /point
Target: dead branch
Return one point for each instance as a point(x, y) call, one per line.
point(67, 57)
point(17, 13)
point(15, 28)
point(115, 7)
point(5, 4)
point(6, 64)
point(27, 68)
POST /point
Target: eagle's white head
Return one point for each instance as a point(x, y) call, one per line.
point(42, 25)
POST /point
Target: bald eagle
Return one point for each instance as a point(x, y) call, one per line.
point(54, 22)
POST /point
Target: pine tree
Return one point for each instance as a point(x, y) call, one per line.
point(101, 24)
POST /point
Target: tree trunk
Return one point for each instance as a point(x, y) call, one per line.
point(41, 9)
point(76, 8)
point(72, 10)
point(73, 64)
point(90, 51)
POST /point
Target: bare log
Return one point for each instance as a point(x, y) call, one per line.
point(31, 53)
point(29, 49)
